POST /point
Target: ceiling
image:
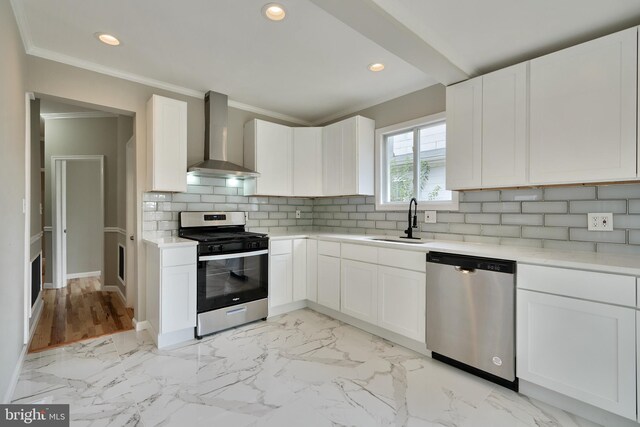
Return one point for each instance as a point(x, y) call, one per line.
point(312, 66)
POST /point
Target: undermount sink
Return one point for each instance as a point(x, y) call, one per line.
point(399, 240)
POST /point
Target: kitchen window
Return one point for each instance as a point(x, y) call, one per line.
point(412, 163)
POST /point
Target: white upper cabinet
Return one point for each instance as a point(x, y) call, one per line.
point(166, 144)
point(348, 148)
point(504, 127)
point(307, 162)
point(464, 135)
point(583, 112)
point(268, 150)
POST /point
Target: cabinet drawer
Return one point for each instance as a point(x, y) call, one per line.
point(601, 287)
point(178, 256)
point(328, 248)
point(280, 247)
point(360, 253)
point(408, 260)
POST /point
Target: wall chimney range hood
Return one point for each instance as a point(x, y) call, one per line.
point(215, 162)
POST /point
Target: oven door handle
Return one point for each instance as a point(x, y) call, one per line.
point(236, 255)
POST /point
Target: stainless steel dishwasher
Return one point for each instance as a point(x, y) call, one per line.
point(471, 315)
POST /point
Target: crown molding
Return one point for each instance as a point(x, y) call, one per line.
point(78, 115)
point(373, 103)
point(23, 25)
point(274, 114)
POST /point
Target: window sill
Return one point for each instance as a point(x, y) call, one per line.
point(422, 206)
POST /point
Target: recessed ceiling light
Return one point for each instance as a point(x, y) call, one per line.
point(274, 11)
point(108, 39)
point(378, 66)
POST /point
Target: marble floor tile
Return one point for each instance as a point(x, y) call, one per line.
point(301, 368)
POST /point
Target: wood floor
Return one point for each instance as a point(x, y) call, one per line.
point(78, 312)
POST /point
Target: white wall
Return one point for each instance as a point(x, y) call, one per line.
point(12, 170)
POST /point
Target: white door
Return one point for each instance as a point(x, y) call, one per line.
point(280, 280)
point(329, 282)
point(332, 159)
point(359, 290)
point(583, 112)
point(581, 349)
point(312, 270)
point(505, 160)
point(307, 162)
point(464, 135)
point(299, 269)
point(274, 159)
point(130, 262)
point(402, 302)
point(178, 298)
point(60, 223)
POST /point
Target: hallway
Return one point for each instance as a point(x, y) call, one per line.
point(78, 312)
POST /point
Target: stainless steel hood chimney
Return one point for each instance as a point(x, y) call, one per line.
point(215, 142)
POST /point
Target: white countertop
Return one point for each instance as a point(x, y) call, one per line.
point(165, 242)
point(610, 263)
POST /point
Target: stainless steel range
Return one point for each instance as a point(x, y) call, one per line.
point(233, 270)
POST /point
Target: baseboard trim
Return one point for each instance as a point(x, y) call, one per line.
point(48, 286)
point(286, 308)
point(23, 353)
point(83, 275)
point(141, 325)
point(116, 289)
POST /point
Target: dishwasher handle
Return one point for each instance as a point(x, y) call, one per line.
point(469, 264)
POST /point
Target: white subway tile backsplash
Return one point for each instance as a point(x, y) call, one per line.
point(557, 233)
point(614, 206)
point(501, 230)
point(551, 217)
point(501, 207)
point(482, 218)
point(521, 195)
point(626, 191)
point(584, 235)
point(481, 196)
point(544, 207)
point(522, 219)
point(570, 193)
point(555, 220)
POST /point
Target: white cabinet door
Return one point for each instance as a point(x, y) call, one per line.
point(280, 279)
point(178, 298)
point(307, 162)
point(166, 144)
point(402, 302)
point(299, 269)
point(359, 290)
point(505, 160)
point(464, 135)
point(583, 112)
point(332, 159)
point(329, 282)
point(349, 166)
point(268, 150)
point(582, 349)
point(312, 270)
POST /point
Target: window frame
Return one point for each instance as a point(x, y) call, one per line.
point(381, 169)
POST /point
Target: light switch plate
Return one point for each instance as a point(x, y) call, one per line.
point(600, 221)
point(430, 217)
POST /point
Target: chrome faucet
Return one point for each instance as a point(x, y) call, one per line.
point(411, 226)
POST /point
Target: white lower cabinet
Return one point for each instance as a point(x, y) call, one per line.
point(312, 270)
point(402, 301)
point(359, 290)
point(171, 293)
point(287, 271)
point(582, 349)
point(329, 281)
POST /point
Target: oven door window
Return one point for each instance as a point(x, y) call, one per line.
point(230, 281)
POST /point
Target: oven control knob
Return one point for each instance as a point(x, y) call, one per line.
point(210, 248)
point(217, 248)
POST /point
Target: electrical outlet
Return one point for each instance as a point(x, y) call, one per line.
point(600, 221)
point(297, 213)
point(430, 217)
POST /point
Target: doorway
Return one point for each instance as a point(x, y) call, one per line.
point(78, 218)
